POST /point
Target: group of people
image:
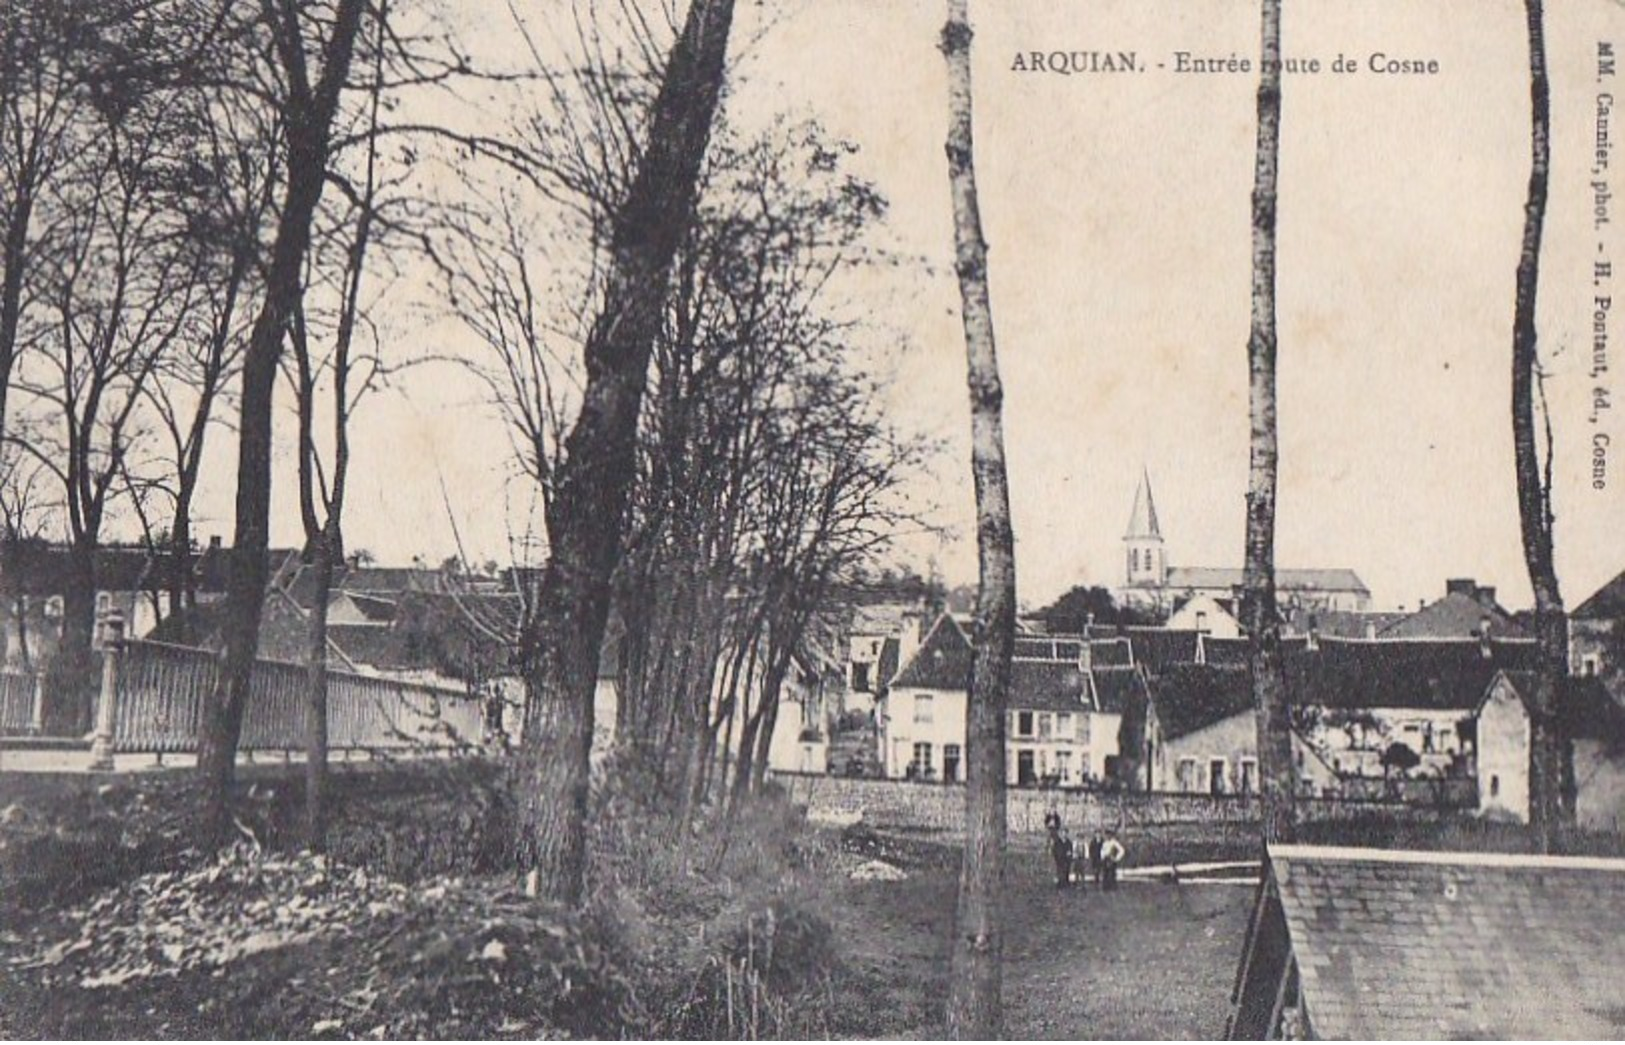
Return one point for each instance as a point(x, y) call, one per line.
point(1100, 858)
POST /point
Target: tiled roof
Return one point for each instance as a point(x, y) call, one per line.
point(1585, 711)
point(1111, 653)
point(1047, 686)
point(1194, 696)
point(1159, 649)
point(1454, 945)
point(1456, 616)
point(1340, 624)
point(1049, 647)
point(38, 568)
point(1606, 603)
point(1227, 578)
point(943, 660)
point(1440, 675)
point(1120, 691)
point(1233, 652)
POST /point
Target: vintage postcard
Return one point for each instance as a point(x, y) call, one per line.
point(690, 519)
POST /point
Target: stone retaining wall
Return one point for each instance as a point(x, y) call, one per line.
point(941, 807)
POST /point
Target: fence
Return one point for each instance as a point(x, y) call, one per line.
point(18, 713)
point(159, 690)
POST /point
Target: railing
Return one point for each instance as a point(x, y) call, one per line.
point(160, 689)
point(18, 693)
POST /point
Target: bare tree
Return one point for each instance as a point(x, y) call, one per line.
point(1547, 750)
point(312, 45)
point(592, 482)
point(1259, 614)
point(974, 1006)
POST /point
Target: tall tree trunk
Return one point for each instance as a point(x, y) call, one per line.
point(309, 142)
point(1546, 751)
point(1277, 775)
point(72, 684)
point(321, 566)
point(15, 259)
point(974, 1005)
point(181, 583)
point(587, 514)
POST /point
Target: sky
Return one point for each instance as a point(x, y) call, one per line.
point(1117, 211)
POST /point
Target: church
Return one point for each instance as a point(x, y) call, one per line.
point(1151, 584)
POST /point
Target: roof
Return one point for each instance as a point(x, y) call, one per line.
point(38, 568)
point(1120, 691)
point(1227, 578)
point(1233, 652)
point(1435, 675)
point(943, 660)
point(1606, 603)
point(1585, 711)
point(1111, 653)
point(1048, 686)
point(1142, 522)
point(1049, 647)
point(1453, 945)
point(1192, 697)
point(1341, 624)
point(375, 609)
point(1159, 649)
point(1456, 616)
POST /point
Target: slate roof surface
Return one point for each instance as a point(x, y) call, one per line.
point(943, 660)
point(1606, 603)
point(39, 568)
point(1120, 691)
point(1159, 649)
point(1228, 578)
point(1456, 616)
point(1111, 653)
point(1048, 686)
point(1194, 696)
point(1437, 675)
point(1394, 945)
point(1341, 624)
point(1049, 647)
point(1585, 711)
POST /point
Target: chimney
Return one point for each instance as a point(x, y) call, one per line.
point(1484, 646)
point(1088, 624)
point(1086, 654)
point(1461, 586)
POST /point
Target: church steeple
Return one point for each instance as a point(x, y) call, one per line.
point(1145, 560)
point(1142, 524)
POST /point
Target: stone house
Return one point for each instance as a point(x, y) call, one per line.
point(1064, 711)
point(1588, 717)
point(1597, 637)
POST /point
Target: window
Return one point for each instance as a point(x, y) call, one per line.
point(860, 678)
point(1024, 723)
point(104, 602)
point(1185, 775)
point(1589, 664)
point(1063, 725)
point(1215, 776)
point(952, 756)
point(1249, 775)
point(922, 708)
point(1201, 620)
point(1026, 768)
point(1063, 766)
point(920, 768)
point(1495, 785)
point(1046, 724)
point(1083, 729)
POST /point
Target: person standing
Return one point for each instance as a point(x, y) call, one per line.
point(1096, 867)
point(1060, 850)
point(1111, 855)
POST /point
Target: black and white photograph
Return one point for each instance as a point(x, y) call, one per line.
point(811, 519)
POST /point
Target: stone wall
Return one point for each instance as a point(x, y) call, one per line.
point(941, 807)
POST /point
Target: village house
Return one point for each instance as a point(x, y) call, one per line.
point(1206, 614)
point(134, 581)
point(1201, 736)
point(1588, 717)
point(1597, 636)
point(1064, 710)
point(1395, 945)
point(1149, 582)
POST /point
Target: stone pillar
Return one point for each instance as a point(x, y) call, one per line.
point(101, 747)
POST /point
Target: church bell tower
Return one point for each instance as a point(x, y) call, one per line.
point(1145, 559)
